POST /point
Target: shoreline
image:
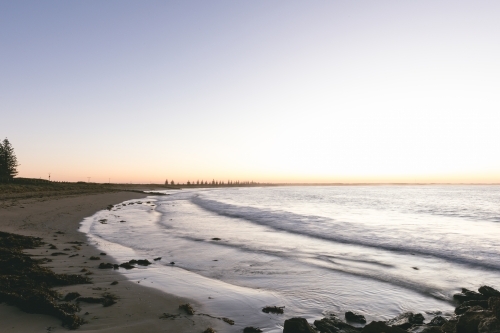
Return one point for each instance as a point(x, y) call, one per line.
point(57, 221)
point(137, 308)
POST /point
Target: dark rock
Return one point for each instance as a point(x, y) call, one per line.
point(437, 321)
point(327, 325)
point(66, 249)
point(333, 324)
point(483, 304)
point(424, 329)
point(450, 326)
point(494, 306)
point(227, 320)
point(489, 291)
point(297, 325)
point(156, 259)
point(73, 255)
point(71, 296)
point(209, 330)
point(381, 327)
point(103, 254)
point(52, 247)
point(216, 239)
point(469, 321)
point(465, 306)
point(108, 299)
point(251, 329)
point(188, 308)
point(143, 262)
point(355, 317)
point(489, 325)
point(105, 265)
point(116, 266)
point(461, 309)
point(132, 262)
point(468, 295)
point(114, 283)
point(95, 258)
point(273, 309)
point(406, 320)
point(126, 265)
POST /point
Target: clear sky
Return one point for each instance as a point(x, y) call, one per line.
point(284, 91)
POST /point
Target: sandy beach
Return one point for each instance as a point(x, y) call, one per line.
point(56, 220)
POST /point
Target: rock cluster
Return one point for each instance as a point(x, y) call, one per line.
point(127, 265)
point(478, 312)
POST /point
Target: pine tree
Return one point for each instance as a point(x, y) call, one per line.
point(8, 161)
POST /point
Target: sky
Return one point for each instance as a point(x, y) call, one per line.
point(266, 91)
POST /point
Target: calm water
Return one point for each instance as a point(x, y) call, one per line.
point(378, 250)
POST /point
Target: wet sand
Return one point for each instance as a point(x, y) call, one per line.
point(56, 220)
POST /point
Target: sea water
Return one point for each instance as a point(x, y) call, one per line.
point(376, 250)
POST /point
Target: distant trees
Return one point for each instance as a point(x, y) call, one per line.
point(214, 183)
point(8, 161)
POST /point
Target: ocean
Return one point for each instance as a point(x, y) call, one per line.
point(316, 250)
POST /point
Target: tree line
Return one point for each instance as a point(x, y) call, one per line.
point(8, 162)
point(212, 183)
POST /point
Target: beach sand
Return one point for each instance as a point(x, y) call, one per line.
point(137, 309)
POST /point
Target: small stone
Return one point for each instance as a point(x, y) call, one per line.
point(209, 330)
point(188, 308)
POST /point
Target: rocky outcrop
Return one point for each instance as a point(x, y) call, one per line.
point(406, 320)
point(355, 317)
point(437, 321)
point(478, 312)
point(333, 324)
point(469, 295)
point(494, 306)
point(469, 321)
point(297, 325)
point(489, 291)
point(380, 326)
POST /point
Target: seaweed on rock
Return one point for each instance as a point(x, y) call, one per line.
point(27, 285)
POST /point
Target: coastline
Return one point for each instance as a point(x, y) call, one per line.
point(137, 307)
